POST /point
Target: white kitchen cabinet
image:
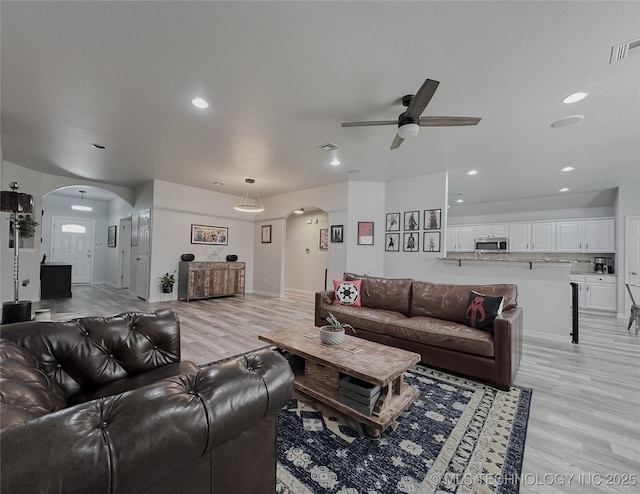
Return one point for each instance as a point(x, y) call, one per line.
point(519, 237)
point(543, 237)
point(596, 292)
point(599, 235)
point(601, 292)
point(461, 239)
point(596, 235)
point(497, 230)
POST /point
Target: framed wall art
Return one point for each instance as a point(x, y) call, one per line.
point(431, 242)
point(111, 236)
point(365, 232)
point(393, 222)
point(412, 220)
point(411, 242)
point(432, 219)
point(209, 235)
point(324, 238)
point(392, 242)
point(265, 234)
point(337, 233)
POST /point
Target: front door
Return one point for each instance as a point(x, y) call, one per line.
point(73, 244)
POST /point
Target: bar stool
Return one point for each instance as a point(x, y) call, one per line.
point(635, 310)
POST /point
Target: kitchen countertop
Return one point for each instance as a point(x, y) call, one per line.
point(499, 258)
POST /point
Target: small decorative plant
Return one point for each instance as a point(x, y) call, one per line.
point(27, 225)
point(335, 325)
point(168, 280)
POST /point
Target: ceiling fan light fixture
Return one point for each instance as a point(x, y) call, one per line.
point(408, 130)
point(250, 205)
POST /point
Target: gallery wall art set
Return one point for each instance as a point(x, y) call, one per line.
point(406, 228)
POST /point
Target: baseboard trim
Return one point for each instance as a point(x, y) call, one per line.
point(265, 293)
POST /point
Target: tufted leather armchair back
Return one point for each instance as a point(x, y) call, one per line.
point(87, 353)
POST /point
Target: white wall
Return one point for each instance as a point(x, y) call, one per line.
point(414, 194)
point(54, 205)
point(305, 261)
point(366, 203)
point(175, 208)
point(269, 260)
point(559, 214)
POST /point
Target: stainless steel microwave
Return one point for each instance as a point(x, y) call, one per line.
point(497, 245)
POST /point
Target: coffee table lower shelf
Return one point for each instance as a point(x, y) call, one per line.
point(396, 398)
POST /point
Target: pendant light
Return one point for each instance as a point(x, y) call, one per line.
point(250, 205)
point(79, 207)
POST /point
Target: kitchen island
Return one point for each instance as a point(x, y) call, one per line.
point(544, 292)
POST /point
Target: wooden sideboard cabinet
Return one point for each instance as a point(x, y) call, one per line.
point(200, 279)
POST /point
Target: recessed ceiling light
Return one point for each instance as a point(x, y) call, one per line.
point(564, 189)
point(335, 162)
point(200, 103)
point(472, 172)
point(564, 122)
point(99, 146)
point(567, 169)
point(298, 211)
point(574, 98)
point(354, 170)
point(459, 200)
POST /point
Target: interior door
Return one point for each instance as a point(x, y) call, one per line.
point(124, 252)
point(73, 243)
point(632, 249)
point(142, 258)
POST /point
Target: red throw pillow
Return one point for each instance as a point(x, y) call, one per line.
point(482, 310)
point(347, 292)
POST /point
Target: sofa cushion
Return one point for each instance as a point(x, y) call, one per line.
point(347, 292)
point(384, 293)
point(449, 302)
point(443, 334)
point(26, 391)
point(138, 381)
point(482, 310)
point(374, 320)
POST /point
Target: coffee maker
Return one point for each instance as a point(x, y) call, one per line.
point(603, 265)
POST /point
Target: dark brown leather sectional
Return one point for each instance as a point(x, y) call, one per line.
point(105, 405)
point(427, 318)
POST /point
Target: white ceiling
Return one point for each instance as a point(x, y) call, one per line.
point(280, 77)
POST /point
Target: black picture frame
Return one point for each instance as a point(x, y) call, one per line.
point(265, 234)
point(209, 235)
point(365, 232)
point(412, 221)
point(392, 242)
point(431, 242)
point(392, 223)
point(337, 233)
point(432, 219)
point(111, 235)
point(411, 242)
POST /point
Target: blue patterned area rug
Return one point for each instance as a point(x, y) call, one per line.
point(459, 436)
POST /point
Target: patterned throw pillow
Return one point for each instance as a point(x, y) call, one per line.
point(482, 310)
point(347, 292)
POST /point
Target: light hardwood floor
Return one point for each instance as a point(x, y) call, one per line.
point(585, 411)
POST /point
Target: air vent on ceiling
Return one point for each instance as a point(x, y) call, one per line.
point(329, 146)
point(620, 52)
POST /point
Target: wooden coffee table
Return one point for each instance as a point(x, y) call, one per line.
point(318, 369)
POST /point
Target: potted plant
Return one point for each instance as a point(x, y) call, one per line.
point(333, 333)
point(27, 227)
point(167, 281)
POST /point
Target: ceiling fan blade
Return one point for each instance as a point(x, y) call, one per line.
point(447, 121)
point(370, 123)
point(396, 142)
point(422, 98)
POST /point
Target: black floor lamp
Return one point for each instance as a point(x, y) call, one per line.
point(15, 202)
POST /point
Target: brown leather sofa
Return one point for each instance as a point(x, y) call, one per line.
point(427, 318)
point(104, 405)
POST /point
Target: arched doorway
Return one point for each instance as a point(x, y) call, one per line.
point(307, 242)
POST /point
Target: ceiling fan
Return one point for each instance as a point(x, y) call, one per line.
point(410, 121)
